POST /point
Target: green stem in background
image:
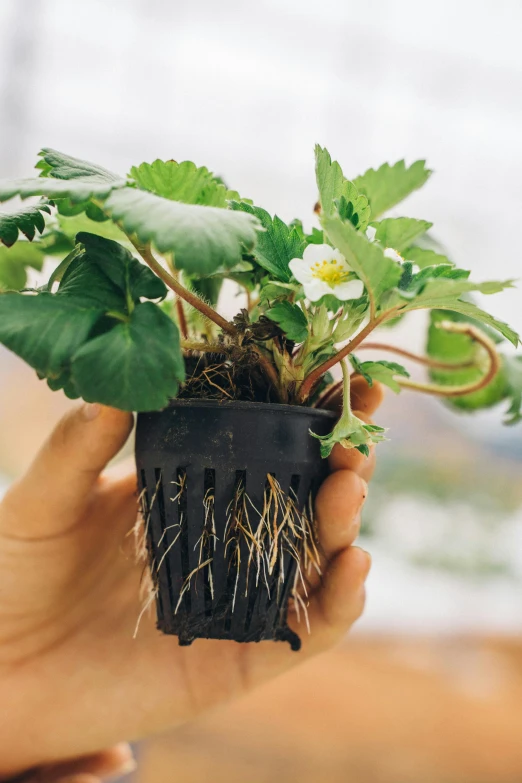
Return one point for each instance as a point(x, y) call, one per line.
point(425, 360)
point(118, 316)
point(459, 391)
point(181, 291)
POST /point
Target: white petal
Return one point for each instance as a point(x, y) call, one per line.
point(338, 256)
point(317, 253)
point(315, 289)
point(300, 270)
point(391, 253)
point(353, 289)
point(370, 233)
point(343, 263)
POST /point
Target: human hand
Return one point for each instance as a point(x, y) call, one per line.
point(73, 680)
point(114, 762)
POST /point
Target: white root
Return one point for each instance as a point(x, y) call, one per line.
point(270, 536)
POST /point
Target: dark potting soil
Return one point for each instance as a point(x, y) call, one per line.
point(216, 377)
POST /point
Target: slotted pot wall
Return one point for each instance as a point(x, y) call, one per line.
point(200, 449)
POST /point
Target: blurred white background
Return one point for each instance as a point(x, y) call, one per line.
point(247, 89)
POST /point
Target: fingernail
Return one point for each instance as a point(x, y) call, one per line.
point(91, 410)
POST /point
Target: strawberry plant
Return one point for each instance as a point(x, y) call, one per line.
point(129, 317)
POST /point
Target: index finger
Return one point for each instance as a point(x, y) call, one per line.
point(51, 496)
point(364, 398)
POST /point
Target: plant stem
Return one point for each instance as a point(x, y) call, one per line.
point(459, 391)
point(179, 302)
point(181, 318)
point(415, 357)
point(311, 379)
point(372, 304)
point(118, 316)
point(181, 291)
point(346, 387)
point(193, 345)
point(269, 370)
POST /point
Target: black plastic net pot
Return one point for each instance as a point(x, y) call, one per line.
point(227, 489)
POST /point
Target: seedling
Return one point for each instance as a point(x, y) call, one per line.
point(129, 318)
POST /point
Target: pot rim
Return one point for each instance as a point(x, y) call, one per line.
point(274, 407)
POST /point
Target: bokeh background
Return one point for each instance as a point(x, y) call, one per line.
point(428, 688)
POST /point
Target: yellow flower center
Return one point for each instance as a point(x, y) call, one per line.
point(330, 272)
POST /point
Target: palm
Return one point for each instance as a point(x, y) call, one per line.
point(69, 605)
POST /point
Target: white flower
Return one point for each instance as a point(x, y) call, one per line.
point(389, 252)
point(370, 233)
point(323, 270)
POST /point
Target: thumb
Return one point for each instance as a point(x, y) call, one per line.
point(51, 497)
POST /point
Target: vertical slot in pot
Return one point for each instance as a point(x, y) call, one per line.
point(234, 551)
point(210, 536)
point(183, 521)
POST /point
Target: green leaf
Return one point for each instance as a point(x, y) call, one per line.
point(56, 164)
point(64, 177)
point(182, 182)
point(352, 317)
point(423, 257)
point(14, 262)
point(88, 284)
point(399, 233)
point(277, 245)
point(336, 193)
point(471, 310)
point(381, 371)
point(316, 237)
point(449, 284)
point(351, 433)
point(330, 179)
point(201, 238)
point(513, 369)
point(27, 220)
point(70, 208)
point(45, 329)
point(78, 191)
point(133, 278)
point(388, 185)
point(367, 259)
point(73, 225)
point(60, 270)
point(454, 347)
point(269, 291)
point(412, 285)
point(207, 288)
point(291, 319)
point(353, 208)
point(136, 366)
